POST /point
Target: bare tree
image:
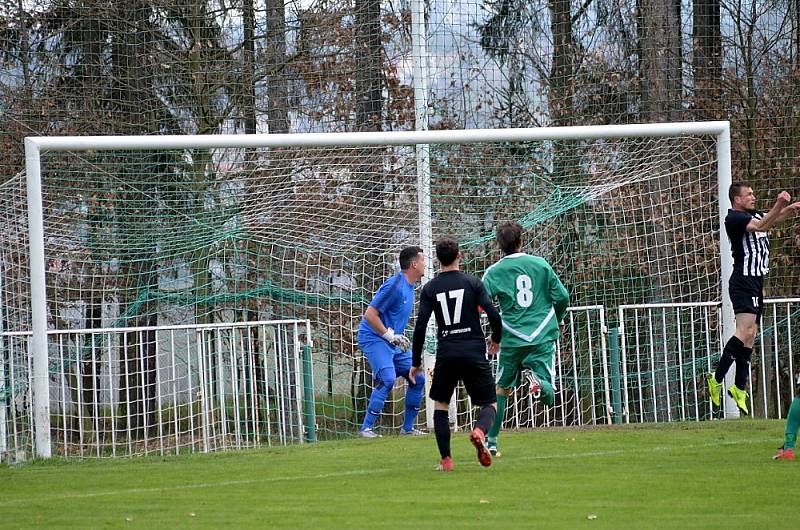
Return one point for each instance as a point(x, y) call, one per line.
point(276, 59)
point(707, 59)
point(248, 83)
point(660, 72)
point(561, 78)
point(369, 66)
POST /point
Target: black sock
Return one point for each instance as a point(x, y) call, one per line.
point(441, 426)
point(743, 367)
point(485, 418)
point(729, 354)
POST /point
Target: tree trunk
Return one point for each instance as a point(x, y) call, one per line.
point(660, 81)
point(131, 95)
point(562, 70)
point(369, 112)
point(707, 60)
point(660, 59)
point(248, 109)
point(277, 89)
point(562, 113)
point(369, 66)
point(795, 52)
point(134, 111)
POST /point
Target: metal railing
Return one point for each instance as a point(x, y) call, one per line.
point(665, 352)
point(772, 377)
point(163, 389)
point(158, 390)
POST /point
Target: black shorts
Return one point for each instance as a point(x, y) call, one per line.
point(747, 294)
point(470, 367)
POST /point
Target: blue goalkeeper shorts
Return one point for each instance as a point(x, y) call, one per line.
point(381, 354)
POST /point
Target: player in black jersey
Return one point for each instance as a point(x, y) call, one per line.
point(747, 230)
point(456, 299)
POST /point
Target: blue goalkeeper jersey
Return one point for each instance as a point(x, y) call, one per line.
point(394, 300)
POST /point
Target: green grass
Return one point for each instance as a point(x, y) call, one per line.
point(693, 475)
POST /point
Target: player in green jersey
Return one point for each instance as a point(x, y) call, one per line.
point(786, 452)
point(533, 303)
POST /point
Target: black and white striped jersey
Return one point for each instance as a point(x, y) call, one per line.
point(750, 249)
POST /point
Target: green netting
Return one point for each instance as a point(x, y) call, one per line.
point(232, 235)
point(198, 67)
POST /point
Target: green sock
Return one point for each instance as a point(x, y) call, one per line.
point(792, 424)
point(548, 393)
point(498, 419)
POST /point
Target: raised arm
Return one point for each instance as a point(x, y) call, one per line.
point(793, 210)
point(774, 216)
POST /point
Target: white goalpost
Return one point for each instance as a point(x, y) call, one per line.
point(258, 227)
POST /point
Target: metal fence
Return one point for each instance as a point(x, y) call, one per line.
point(199, 388)
point(167, 389)
point(665, 352)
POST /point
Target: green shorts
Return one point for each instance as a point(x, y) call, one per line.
point(538, 357)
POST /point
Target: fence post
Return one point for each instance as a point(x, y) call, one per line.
point(616, 395)
point(308, 395)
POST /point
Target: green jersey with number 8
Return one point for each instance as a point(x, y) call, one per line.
point(532, 299)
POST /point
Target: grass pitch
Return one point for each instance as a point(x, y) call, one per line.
point(682, 475)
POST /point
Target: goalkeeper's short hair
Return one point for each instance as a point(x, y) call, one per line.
point(407, 255)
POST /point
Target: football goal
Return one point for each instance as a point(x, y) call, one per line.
point(155, 232)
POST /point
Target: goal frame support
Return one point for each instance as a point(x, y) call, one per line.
point(35, 146)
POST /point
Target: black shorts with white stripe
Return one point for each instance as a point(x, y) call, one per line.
point(747, 294)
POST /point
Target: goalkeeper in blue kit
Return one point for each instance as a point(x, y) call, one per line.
point(381, 338)
point(533, 303)
point(455, 298)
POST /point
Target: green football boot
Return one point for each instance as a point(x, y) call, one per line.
point(714, 389)
point(740, 397)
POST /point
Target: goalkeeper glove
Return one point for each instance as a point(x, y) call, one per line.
point(398, 340)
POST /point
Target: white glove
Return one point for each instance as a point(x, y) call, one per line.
point(401, 341)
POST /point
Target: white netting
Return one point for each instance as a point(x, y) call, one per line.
point(143, 238)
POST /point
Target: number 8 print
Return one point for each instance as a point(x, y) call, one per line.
point(524, 293)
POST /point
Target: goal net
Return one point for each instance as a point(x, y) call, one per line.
point(159, 233)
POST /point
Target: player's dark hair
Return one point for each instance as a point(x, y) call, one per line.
point(407, 255)
point(509, 237)
point(447, 250)
point(736, 189)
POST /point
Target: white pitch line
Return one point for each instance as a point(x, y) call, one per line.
point(179, 487)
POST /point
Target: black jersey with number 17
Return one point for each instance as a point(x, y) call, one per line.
point(455, 298)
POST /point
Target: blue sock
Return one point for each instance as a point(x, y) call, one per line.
point(413, 402)
point(375, 406)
